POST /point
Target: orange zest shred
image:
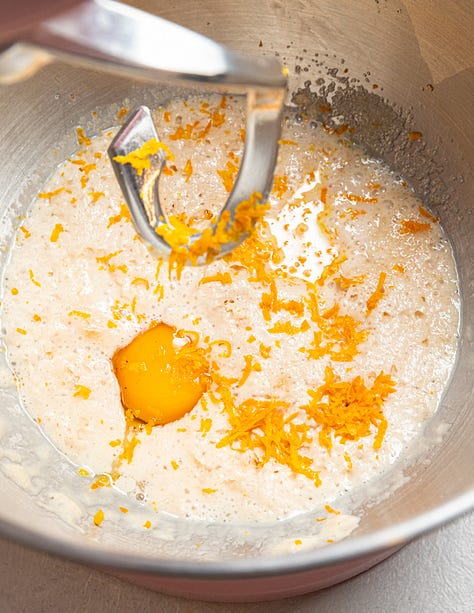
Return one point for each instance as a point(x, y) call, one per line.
point(345, 282)
point(178, 233)
point(140, 158)
point(228, 175)
point(87, 168)
point(193, 131)
point(82, 314)
point(81, 391)
point(124, 214)
point(330, 269)
point(129, 448)
point(353, 213)
point(324, 195)
point(427, 214)
point(206, 423)
point(262, 426)
point(250, 366)
point(141, 281)
point(99, 517)
point(227, 348)
point(411, 226)
point(269, 301)
point(378, 294)
point(33, 280)
point(218, 118)
point(296, 307)
point(188, 170)
point(184, 133)
point(104, 260)
point(95, 196)
point(286, 327)
point(349, 410)
point(254, 255)
point(280, 185)
point(82, 139)
point(338, 335)
point(58, 228)
point(358, 198)
point(220, 277)
point(339, 130)
point(46, 195)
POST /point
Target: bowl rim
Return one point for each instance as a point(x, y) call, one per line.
point(351, 548)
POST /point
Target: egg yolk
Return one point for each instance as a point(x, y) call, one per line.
point(161, 374)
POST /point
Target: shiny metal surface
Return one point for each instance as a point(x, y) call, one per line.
point(434, 574)
point(254, 180)
point(118, 38)
point(421, 59)
point(17, 16)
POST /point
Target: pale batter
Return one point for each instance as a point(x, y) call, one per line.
point(346, 277)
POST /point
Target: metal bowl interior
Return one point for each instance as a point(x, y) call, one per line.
point(396, 61)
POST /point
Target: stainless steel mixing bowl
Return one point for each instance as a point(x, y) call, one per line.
point(388, 67)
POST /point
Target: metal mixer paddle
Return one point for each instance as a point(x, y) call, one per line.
point(141, 189)
point(118, 38)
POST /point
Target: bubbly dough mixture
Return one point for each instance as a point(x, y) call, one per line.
point(330, 333)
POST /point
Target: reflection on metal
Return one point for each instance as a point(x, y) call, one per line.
point(141, 191)
point(121, 39)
